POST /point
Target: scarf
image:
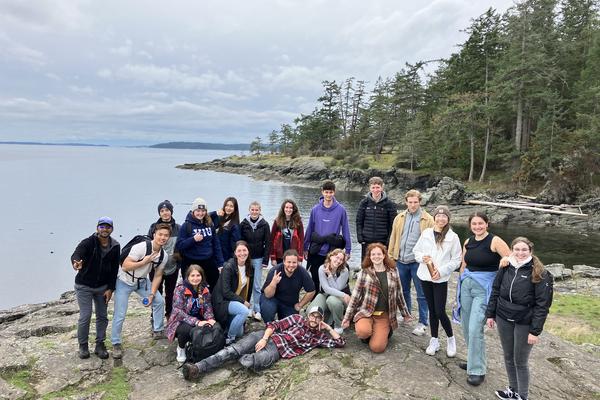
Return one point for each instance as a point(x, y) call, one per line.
point(196, 304)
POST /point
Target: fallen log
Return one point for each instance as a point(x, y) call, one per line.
point(544, 210)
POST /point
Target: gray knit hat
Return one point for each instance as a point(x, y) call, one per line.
point(199, 204)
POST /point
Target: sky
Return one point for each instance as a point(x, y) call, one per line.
point(143, 72)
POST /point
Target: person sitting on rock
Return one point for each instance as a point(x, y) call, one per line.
point(96, 260)
point(282, 287)
point(286, 338)
point(191, 307)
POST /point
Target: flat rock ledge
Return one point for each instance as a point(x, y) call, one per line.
point(435, 189)
point(38, 359)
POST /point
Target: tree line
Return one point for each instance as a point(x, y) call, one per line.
point(520, 96)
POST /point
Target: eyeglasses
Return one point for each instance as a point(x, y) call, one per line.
point(315, 317)
point(105, 227)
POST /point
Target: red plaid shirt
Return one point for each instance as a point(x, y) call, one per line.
point(293, 337)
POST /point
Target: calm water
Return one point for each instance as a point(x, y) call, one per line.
point(53, 196)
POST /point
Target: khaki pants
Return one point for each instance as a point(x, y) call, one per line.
point(377, 328)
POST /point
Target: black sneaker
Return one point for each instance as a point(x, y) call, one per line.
point(100, 351)
point(84, 351)
point(506, 393)
point(117, 351)
point(190, 372)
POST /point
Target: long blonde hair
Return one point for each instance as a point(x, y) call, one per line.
point(538, 266)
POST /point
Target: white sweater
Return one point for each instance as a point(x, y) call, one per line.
point(446, 258)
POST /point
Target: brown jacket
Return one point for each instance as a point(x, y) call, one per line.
point(398, 228)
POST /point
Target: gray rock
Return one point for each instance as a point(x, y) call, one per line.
point(586, 271)
point(559, 271)
point(9, 392)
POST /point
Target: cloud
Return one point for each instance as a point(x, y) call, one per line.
point(16, 51)
point(167, 77)
point(47, 15)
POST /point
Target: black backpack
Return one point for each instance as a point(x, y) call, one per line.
point(138, 239)
point(205, 341)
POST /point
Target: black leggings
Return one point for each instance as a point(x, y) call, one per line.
point(169, 282)
point(183, 333)
point(436, 294)
point(313, 263)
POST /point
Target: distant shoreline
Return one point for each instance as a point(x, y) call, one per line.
point(168, 145)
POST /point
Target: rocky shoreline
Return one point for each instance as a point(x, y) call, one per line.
point(38, 359)
point(435, 189)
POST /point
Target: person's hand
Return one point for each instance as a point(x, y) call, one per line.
point(491, 322)
point(150, 257)
point(201, 323)
point(345, 324)
point(407, 318)
point(347, 257)
point(346, 299)
point(276, 277)
point(436, 275)
point(260, 345)
point(426, 259)
point(274, 263)
point(198, 237)
point(220, 212)
point(504, 261)
point(532, 339)
point(211, 322)
point(247, 305)
point(323, 326)
point(77, 265)
point(220, 269)
point(107, 295)
point(150, 299)
point(297, 307)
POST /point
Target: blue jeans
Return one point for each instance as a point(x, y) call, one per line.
point(238, 313)
point(473, 301)
point(407, 273)
point(272, 306)
point(257, 285)
point(122, 293)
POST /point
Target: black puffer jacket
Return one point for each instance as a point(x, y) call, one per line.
point(97, 270)
point(374, 219)
point(257, 237)
point(516, 299)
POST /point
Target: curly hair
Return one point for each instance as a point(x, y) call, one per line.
point(387, 261)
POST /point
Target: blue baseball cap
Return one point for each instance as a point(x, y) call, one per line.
point(105, 221)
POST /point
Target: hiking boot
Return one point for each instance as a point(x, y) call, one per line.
point(190, 372)
point(505, 394)
point(158, 335)
point(181, 355)
point(339, 330)
point(451, 347)
point(229, 341)
point(462, 365)
point(419, 330)
point(434, 346)
point(117, 351)
point(84, 351)
point(100, 351)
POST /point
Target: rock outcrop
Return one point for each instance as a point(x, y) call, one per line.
point(38, 358)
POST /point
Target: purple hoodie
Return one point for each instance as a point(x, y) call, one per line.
point(325, 221)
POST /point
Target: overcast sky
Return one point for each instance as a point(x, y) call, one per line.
point(144, 72)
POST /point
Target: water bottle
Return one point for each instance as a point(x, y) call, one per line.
point(145, 301)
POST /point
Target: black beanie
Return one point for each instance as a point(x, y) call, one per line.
point(165, 204)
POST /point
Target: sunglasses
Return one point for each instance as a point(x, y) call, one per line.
point(105, 227)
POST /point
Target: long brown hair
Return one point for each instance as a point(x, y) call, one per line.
point(248, 263)
point(203, 283)
point(235, 215)
point(294, 219)
point(331, 254)
point(538, 266)
point(387, 261)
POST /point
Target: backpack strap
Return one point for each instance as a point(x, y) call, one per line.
point(148, 251)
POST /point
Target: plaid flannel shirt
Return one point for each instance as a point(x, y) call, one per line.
point(365, 293)
point(293, 337)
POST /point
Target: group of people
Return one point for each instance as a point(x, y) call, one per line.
point(221, 260)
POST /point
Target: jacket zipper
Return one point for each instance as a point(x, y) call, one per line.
point(511, 286)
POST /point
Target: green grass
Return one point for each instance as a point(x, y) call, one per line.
point(116, 387)
point(575, 318)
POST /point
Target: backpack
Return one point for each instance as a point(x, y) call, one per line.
point(127, 248)
point(205, 341)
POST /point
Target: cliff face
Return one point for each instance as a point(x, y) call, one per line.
point(38, 359)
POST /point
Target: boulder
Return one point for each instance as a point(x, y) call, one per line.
point(559, 271)
point(447, 191)
point(586, 271)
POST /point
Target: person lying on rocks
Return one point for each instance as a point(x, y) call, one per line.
point(285, 338)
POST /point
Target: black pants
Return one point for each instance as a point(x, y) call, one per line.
point(436, 295)
point(183, 334)
point(169, 282)
point(312, 265)
point(208, 265)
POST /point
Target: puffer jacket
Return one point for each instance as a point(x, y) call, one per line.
point(516, 299)
point(257, 237)
point(374, 220)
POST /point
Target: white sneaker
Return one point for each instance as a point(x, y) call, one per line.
point(451, 347)
point(399, 317)
point(419, 330)
point(180, 355)
point(340, 330)
point(257, 316)
point(434, 346)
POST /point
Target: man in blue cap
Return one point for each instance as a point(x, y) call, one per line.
point(96, 260)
